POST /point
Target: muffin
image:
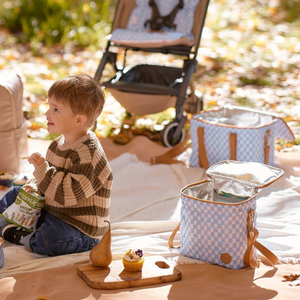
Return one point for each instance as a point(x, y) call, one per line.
point(133, 260)
point(6, 178)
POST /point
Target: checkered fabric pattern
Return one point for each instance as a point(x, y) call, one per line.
point(184, 19)
point(128, 36)
point(250, 141)
point(135, 30)
point(282, 131)
point(209, 229)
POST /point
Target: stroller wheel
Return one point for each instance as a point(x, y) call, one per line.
point(167, 136)
point(194, 107)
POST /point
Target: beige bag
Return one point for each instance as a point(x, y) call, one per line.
point(13, 129)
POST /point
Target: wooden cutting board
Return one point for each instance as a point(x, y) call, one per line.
point(156, 270)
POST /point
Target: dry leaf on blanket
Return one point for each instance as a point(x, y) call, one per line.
point(291, 277)
point(43, 297)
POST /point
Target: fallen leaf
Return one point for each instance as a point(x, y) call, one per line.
point(291, 277)
point(43, 297)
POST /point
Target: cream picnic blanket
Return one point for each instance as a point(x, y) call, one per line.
point(145, 209)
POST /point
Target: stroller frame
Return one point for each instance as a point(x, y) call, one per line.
point(174, 132)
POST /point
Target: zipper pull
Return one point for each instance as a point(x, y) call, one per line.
point(250, 219)
point(267, 146)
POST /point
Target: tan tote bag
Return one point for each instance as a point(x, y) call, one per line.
point(13, 129)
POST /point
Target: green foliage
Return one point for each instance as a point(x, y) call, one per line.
point(51, 136)
point(246, 80)
point(51, 22)
point(290, 10)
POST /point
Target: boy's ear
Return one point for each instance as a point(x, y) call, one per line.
point(80, 120)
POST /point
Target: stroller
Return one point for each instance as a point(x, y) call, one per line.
point(162, 26)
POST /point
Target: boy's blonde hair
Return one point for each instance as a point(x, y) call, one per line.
point(82, 93)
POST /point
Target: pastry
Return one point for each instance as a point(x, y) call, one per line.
point(133, 260)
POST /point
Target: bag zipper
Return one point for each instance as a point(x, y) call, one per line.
point(250, 222)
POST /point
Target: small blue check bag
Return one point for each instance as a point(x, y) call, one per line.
point(218, 216)
point(235, 133)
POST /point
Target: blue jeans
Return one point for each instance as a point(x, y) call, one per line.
point(53, 236)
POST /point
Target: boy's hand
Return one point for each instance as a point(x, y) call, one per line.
point(27, 188)
point(36, 159)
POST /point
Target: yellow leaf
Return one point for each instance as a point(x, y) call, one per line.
point(35, 126)
point(288, 118)
point(98, 134)
point(212, 103)
point(11, 56)
point(85, 8)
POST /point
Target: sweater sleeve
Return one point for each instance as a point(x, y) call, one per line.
point(68, 186)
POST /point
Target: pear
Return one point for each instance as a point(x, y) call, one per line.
point(101, 255)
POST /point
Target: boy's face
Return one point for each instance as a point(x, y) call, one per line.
point(60, 118)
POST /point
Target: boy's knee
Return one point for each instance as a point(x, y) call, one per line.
point(46, 240)
point(9, 198)
point(41, 243)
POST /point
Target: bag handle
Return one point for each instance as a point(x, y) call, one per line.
point(169, 156)
point(267, 146)
point(233, 145)
point(248, 256)
point(252, 242)
point(171, 238)
point(202, 156)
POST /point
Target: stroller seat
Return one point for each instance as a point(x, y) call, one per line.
point(138, 29)
point(150, 39)
point(155, 26)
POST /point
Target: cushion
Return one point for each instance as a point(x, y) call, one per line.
point(184, 18)
point(125, 36)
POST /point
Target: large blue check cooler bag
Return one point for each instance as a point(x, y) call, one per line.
point(218, 215)
point(235, 133)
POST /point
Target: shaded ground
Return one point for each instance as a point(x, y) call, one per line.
point(245, 59)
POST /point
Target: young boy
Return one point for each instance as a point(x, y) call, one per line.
point(75, 177)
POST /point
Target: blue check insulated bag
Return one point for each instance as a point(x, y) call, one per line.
point(235, 133)
point(218, 216)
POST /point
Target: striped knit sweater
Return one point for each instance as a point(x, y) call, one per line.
point(76, 181)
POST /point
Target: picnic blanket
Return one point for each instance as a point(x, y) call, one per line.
point(145, 208)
